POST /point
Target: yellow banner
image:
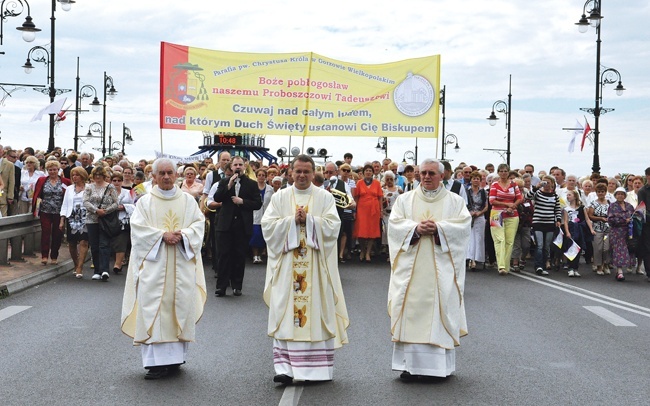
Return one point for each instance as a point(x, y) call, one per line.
point(297, 94)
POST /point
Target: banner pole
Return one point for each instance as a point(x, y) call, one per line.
point(161, 142)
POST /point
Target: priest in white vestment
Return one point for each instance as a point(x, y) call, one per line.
point(307, 313)
point(428, 233)
point(165, 288)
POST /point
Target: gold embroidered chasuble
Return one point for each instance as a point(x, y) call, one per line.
point(165, 287)
point(425, 296)
point(303, 288)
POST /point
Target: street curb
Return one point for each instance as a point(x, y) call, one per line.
point(38, 277)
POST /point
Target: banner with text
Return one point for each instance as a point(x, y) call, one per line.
point(297, 94)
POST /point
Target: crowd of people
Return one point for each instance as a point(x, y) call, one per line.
point(304, 219)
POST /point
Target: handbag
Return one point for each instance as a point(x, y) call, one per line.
point(110, 224)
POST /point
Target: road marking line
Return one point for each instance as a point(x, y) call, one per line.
point(576, 288)
point(291, 395)
point(573, 292)
point(611, 317)
point(12, 311)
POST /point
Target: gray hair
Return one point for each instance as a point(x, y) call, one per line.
point(427, 161)
point(389, 174)
point(161, 161)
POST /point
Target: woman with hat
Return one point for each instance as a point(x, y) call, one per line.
point(619, 217)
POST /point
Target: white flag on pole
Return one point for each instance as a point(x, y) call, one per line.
point(53, 108)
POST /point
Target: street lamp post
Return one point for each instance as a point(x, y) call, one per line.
point(126, 137)
point(409, 155)
point(81, 92)
point(501, 106)
point(448, 140)
point(96, 128)
point(109, 90)
point(442, 100)
point(29, 30)
point(382, 146)
point(608, 76)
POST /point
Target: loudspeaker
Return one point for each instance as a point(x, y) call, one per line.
point(282, 152)
point(295, 151)
point(311, 151)
point(322, 152)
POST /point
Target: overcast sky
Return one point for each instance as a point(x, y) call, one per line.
point(481, 43)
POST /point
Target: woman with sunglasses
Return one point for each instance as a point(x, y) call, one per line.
point(125, 207)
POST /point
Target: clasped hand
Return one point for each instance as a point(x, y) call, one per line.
point(427, 227)
point(172, 237)
point(301, 215)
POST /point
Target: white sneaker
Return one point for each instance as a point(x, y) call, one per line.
point(576, 274)
point(97, 277)
point(571, 273)
point(105, 276)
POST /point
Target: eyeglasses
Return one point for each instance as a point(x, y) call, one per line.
point(63, 163)
point(428, 173)
point(345, 170)
point(529, 171)
point(12, 156)
point(117, 180)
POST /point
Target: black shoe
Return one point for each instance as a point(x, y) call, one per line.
point(220, 293)
point(283, 379)
point(156, 373)
point(236, 292)
point(116, 271)
point(407, 376)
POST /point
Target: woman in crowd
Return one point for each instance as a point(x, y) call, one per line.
point(125, 206)
point(521, 246)
point(257, 242)
point(368, 196)
point(478, 205)
point(74, 211)
point(127, 173)
point(505, 196)
point(576, 225)
point(619, 217)
point(391, 191)
point(50, 190)
point(28, 177)
point(100, 199)
point(547, 216)
point(597, 212)
point(587, 188)
point(346, 239)
point(490, 255)
point(190, 184)
point(632, 197)
point(629, 182)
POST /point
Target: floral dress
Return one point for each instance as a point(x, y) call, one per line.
point(618, 233)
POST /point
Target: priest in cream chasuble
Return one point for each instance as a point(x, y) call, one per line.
point(428, 233)
point(165, 288)
point(307, 313)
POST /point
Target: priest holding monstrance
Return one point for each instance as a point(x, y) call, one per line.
point(428, 233)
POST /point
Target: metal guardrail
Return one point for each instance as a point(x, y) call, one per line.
point(24, 233)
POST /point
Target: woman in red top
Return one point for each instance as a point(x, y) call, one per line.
point(505, 196)
point(368, 195)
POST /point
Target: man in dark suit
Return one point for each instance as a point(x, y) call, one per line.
point(239, 197)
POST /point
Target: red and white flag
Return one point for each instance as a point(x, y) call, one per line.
point(586, 132)
point(53, 108)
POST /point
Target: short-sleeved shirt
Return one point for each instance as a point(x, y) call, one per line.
point(509, 195)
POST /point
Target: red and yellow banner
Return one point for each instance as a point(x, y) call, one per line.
point(297, 94)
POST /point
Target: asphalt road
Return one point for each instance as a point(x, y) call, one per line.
point(532, 340)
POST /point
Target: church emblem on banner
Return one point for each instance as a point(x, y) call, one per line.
point(186, 89)
point(414, 96)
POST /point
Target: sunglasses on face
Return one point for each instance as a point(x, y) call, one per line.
point(428, 173)
point(345, 170)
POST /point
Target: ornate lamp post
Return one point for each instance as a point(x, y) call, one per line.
point(96, 128)
point(608, 76)
point(382, 146)
point(109, 90)
point(448, 140)
point(28, 28)
point(126, 137)
point(501, 106)
point(409, 155)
